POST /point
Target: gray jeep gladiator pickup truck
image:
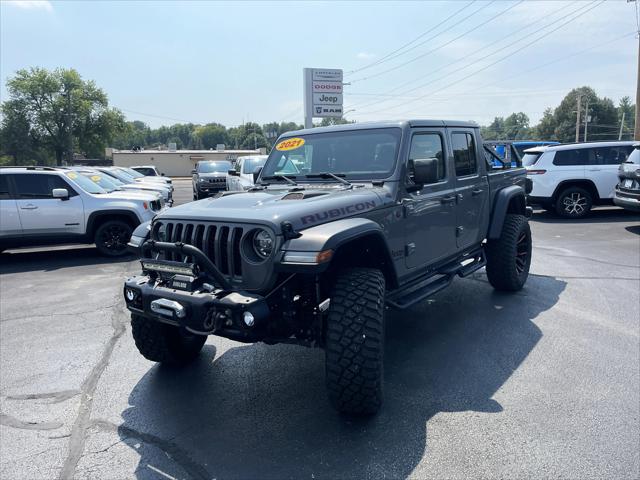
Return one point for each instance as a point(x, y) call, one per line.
point(343, 222)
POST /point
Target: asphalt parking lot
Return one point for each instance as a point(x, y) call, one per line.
point(542, 383)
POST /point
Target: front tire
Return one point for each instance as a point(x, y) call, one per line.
point(574, 202)
point(111, 238)
point(355, 341)
point(163, 343)
point(509, 257)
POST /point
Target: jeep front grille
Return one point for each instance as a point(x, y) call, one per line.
point(219, 242)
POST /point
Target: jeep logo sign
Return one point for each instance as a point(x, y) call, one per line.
point(327, 99)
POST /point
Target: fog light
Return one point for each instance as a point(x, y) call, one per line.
point(130, 294)
point(248, 319)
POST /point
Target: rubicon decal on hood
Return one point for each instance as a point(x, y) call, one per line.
point(337, 212)
point(290, 144)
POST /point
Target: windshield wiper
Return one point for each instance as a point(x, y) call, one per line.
point(281, 177)
point(335, 176)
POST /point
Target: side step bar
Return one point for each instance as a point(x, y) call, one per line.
point(427, 287)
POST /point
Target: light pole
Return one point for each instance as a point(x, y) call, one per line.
point(69, 121)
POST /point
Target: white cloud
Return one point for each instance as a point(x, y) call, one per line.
point(365, 55)
point(32, 4)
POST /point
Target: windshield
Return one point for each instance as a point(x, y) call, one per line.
point(102, 180)
point(120, 175)
point(358, 154)
point(634, 156)
point(214, 167)
point(250, 164)
point(530, 159)
point(84, 183)
point(131, 172)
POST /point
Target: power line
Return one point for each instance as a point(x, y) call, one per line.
point(392, 55)
point(384, 72)
point(474, 53)
point(501, 59)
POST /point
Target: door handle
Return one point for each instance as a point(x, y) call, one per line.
point(595, 169)
point(29, 206)
point(450, 199)
point(476, 192)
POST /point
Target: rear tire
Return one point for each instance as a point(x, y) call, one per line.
point(509, 257)
point(355, 341)
point(112, 236)
point(160, 342)
point(574, 202)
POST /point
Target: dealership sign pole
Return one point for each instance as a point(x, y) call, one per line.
point(322, 94)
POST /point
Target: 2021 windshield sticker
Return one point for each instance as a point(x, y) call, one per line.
point(290, 144)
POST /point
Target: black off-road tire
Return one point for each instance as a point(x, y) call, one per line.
point(509, 257)
point(355, 341)
point(574, 202)
point(112, 236)
point(160, 342)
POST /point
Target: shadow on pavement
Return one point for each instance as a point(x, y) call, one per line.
point(598, 215)
point(17, 261)
point(633, 229)
point(261, 411)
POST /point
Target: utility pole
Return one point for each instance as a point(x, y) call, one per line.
point(69, 123)
point(586, 119)
point(578, 119)
point(637, 129)
point(621, 125)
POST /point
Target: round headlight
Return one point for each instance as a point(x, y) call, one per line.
point(263, 243)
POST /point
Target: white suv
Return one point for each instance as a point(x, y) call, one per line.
point(570, 179)
point(245, 168)
point(45, 206)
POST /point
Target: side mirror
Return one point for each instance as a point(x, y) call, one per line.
point(425, 171)
point(61, 193)
point(193, 172)
point(162, 174)
point(233, 173)
point(256, 174)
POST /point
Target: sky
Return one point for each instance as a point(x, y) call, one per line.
point(167, 62)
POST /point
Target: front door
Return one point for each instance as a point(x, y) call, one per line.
point(40, 213)
point(430, 211)
point(9, 218)
point(472, 188)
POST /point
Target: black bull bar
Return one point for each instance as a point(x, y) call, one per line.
point(228, 312)
point(189, 251)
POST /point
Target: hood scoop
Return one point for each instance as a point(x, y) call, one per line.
point(302, 195)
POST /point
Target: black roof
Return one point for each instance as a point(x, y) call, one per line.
point(385, 124)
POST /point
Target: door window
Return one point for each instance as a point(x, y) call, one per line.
point(427, 145)
point(36, 185)
point(565, 158)
point(4, 188)
point(464, 154)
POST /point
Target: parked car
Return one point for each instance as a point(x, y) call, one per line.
point(127, 182)
point(246, 168)
point(45, 206)
point(627, 193)
point(209, 178)
point(569, 179)
point(147, 170)
point(138, 177)
point(109, 184)
point(379, 215)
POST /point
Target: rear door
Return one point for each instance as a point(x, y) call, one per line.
point(471, 187)
point(40, 213)
point(430, 212)
point(9, 219)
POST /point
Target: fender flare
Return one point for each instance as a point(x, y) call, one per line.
point(332, 236)
point(94, 217)
point(501, 206)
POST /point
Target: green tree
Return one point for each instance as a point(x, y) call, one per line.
point(626, 111)
point(516, 126)
point(495, 130)
point(58, 102)
point(16, 140)
point(212, 134)
point(546, 129)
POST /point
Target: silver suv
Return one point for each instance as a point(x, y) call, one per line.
point(45, 206)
